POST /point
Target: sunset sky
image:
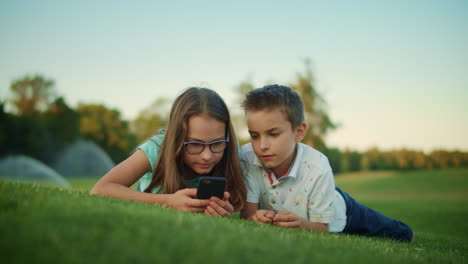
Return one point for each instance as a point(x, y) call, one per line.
point(394, 73)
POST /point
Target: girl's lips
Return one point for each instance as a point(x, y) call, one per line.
point(204, 166)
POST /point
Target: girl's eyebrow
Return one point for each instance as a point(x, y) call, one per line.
point(199, 140)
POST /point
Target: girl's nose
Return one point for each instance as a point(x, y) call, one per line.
point(206, 153)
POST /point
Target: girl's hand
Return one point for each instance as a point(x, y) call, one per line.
point(290, 220)
point(263, 216)
point(218, 207)
point(182, 200)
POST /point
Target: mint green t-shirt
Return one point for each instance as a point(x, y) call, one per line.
point(151, 148)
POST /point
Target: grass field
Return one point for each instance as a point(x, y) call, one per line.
point(43, 224)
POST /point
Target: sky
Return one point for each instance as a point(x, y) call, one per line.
point(394, 73)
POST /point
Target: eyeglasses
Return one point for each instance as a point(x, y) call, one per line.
point(196, 147)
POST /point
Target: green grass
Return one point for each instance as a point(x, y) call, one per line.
point(83, 184)
point(43, 224)
point(434, 203)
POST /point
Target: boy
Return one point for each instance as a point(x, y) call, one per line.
point(291, 184)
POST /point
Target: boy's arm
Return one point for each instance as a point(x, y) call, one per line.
point(251, 209)
point(319, 202)
point(321, 195)
point(283, 218)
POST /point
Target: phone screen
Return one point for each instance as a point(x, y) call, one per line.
point(211, 186)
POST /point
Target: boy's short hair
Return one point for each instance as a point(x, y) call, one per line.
point(272, 96)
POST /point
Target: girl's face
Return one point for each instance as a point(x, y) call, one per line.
point(206, 129)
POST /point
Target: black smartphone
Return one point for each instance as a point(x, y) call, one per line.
point(211, 186)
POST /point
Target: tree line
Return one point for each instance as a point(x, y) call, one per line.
point(399, 159)
point(39, 123)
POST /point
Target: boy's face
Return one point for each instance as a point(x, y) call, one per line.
point(273, 139)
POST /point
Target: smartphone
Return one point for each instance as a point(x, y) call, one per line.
point(211, 186)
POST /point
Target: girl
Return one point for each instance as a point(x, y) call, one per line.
point(199, 140)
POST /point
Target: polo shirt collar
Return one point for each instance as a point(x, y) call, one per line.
point(293, 170)
point(257, 162)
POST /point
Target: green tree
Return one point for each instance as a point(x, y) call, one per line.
point(315, 109)
point(420, 160)
point(372, 159)
point(4, 123)
point(351, 160)
point(62, 123)
point(34, 128)
point(25, 135)
point(151, 119)
point(31, 95)
point(106, 127)
point(237, 114)
point(458, 159)
point(409, 159)
point(335, 157)
point(440, 158)
point(6, 133)
point(64, 120)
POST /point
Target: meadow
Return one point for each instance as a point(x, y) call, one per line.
point(44, 224)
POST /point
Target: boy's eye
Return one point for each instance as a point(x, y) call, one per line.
point(274, 134)
point(253, 136)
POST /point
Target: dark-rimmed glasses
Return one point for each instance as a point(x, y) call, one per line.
point(197, 147)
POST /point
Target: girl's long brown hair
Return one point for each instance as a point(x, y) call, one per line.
point(168, 172)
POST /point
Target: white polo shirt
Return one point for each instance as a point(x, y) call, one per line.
point(308, 189)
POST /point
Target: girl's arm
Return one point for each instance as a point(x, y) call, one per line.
point(116, 184)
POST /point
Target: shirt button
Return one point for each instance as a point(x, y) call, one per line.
point(274, 187)
point(273, 201)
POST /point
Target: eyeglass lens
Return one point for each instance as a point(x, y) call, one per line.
point(197, 148)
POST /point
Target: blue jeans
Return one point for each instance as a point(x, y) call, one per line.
point(361, 220)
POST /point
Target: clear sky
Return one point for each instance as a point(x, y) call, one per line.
point(394, 73)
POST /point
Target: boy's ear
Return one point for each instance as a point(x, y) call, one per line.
point(301, 131)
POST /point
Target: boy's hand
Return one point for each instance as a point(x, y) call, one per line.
point(263, 216)
point(218, 207)
point(290, 220)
